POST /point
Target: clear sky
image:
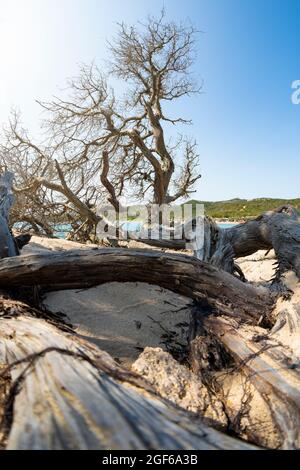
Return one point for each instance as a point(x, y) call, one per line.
point(247, 128)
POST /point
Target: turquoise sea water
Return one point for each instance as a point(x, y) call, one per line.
point(226, 225)
point(135, 226)
point(62, 230)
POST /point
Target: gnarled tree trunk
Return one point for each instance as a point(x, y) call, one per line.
point(67, 394)
point(58, 391)
point(278, 229)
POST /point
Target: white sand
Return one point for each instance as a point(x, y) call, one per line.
point(124, 318)
point(42, 245)
point(258, 268)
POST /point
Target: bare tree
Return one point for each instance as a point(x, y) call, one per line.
point(47, 192)
point(100, 144)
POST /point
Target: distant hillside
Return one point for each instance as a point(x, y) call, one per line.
point(241, 208)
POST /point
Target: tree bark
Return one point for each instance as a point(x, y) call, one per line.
point(64, 393)
point(8, 246)
point(278, 229)
point(58, 391)
point(256, 372)
point(271, 369)
point(185, 275)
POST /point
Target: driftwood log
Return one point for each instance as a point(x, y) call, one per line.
point(58, 391)
point(28, 339)
point(66, 394)
point(278, 229)
point(179, 273)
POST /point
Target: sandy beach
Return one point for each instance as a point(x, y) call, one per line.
point(124, 318)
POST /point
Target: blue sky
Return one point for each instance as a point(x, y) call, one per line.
point(248, 56)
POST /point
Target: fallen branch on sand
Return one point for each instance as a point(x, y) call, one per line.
point(58, 391)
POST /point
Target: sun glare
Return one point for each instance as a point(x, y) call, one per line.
point(21, 42)
point(16, 25)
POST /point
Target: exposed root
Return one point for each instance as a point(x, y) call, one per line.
point(179, 385)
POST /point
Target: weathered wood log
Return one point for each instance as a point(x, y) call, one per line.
point(22, 240)
point(8, 246)
point(67, 394)
point(58, 391)
point(287, 315)
point(183, 274)
point(269, 371)
point(278, 229)
point(181, 237)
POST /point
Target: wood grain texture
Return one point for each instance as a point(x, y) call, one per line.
point(70, 395)
point(271, 367)
point(8, 246)
point(182, 274)
point(278, 229)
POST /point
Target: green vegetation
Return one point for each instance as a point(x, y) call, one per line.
point(239, 209)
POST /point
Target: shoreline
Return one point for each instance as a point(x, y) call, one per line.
point(229, 221)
